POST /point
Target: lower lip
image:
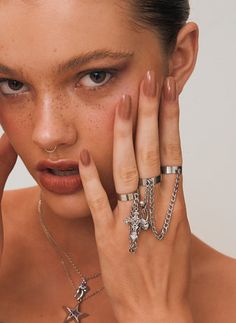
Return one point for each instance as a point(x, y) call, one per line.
point(60, 184)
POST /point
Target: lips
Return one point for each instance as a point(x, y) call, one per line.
point(60, 177)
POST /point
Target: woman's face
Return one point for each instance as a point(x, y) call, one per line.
point(72, 60)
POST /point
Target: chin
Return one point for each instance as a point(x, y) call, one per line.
point(70, 206)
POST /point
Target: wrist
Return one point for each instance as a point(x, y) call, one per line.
point(180, 315)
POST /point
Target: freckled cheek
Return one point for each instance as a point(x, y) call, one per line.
point(98, 126)
point(17, 127)
point(111, 103)
point(101, 115)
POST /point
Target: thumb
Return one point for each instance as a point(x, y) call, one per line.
point(8, 158)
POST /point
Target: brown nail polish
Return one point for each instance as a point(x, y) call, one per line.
point(149, 85)
point(85, 157)
point(170, 89)
point(125, 107)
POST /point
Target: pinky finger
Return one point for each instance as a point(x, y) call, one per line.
point(170, 143)
point(95, 194)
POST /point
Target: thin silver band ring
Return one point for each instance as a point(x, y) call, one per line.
point(156, 180)
point(167, 170)
point(142, 182)
point(126, 197)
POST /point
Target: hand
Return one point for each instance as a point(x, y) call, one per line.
point(7, 161)
point(150, 285)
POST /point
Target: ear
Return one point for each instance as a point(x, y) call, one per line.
point(184, 56)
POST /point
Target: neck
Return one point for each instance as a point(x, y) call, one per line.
point(75, 236)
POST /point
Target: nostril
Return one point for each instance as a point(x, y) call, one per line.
point(49, 140)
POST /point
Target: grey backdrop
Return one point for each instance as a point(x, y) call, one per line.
point(208, 119)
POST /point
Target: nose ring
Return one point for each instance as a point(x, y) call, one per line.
point(50, 151)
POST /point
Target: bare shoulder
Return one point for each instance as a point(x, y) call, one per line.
point(13, 199)
point(17, 210)
point(17, 201)
point(213, 287)
point(17, 207)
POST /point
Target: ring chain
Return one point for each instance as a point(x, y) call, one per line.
point(149, 195)
point(146, 209)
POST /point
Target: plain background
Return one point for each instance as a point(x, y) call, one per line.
point(208, 120)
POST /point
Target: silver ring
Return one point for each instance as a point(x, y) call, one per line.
point(155, 180)
point(50, 151)
point(171, 170)
point(126, 197)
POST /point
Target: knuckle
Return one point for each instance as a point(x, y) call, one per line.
point(173, 152)
point(128, 174)
point(178, 230)
point(98, 203)
point(149, 157)
point(182, 228)
point(180, 212)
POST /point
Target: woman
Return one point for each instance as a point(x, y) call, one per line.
point(89, 100)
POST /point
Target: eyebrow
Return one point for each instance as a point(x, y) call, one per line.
point(7, 70)
point(91, 56)
point(77, 61)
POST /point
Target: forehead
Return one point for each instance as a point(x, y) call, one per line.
point(42, 32)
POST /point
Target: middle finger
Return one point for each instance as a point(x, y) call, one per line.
point(147, 141)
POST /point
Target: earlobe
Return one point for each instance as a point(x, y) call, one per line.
point(184, 56)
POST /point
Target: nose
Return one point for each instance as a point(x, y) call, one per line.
point(52, 125)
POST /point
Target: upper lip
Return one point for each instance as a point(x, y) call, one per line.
point(63, 164)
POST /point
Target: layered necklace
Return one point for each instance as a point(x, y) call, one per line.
point(80, 292)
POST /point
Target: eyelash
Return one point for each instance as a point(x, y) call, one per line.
point(112, 72)
point(3, 80)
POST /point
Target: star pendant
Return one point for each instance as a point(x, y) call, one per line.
point(74, 314)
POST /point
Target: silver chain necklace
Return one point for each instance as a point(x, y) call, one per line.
point(80, 292)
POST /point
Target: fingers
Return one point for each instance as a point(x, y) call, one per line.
point(150, 150)
point(95, 194)
point(124, 164)
point(155, 145)
point(169, 125)
point(170, 144)
point(170, 151)
point(8, 158)
point(147, 141)
point(129, 164)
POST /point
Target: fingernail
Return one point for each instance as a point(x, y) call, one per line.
point(170, 91)
point(125, 107)
point(85, 157)
point(149, 85)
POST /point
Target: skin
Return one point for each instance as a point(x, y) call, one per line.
point(60, 109)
